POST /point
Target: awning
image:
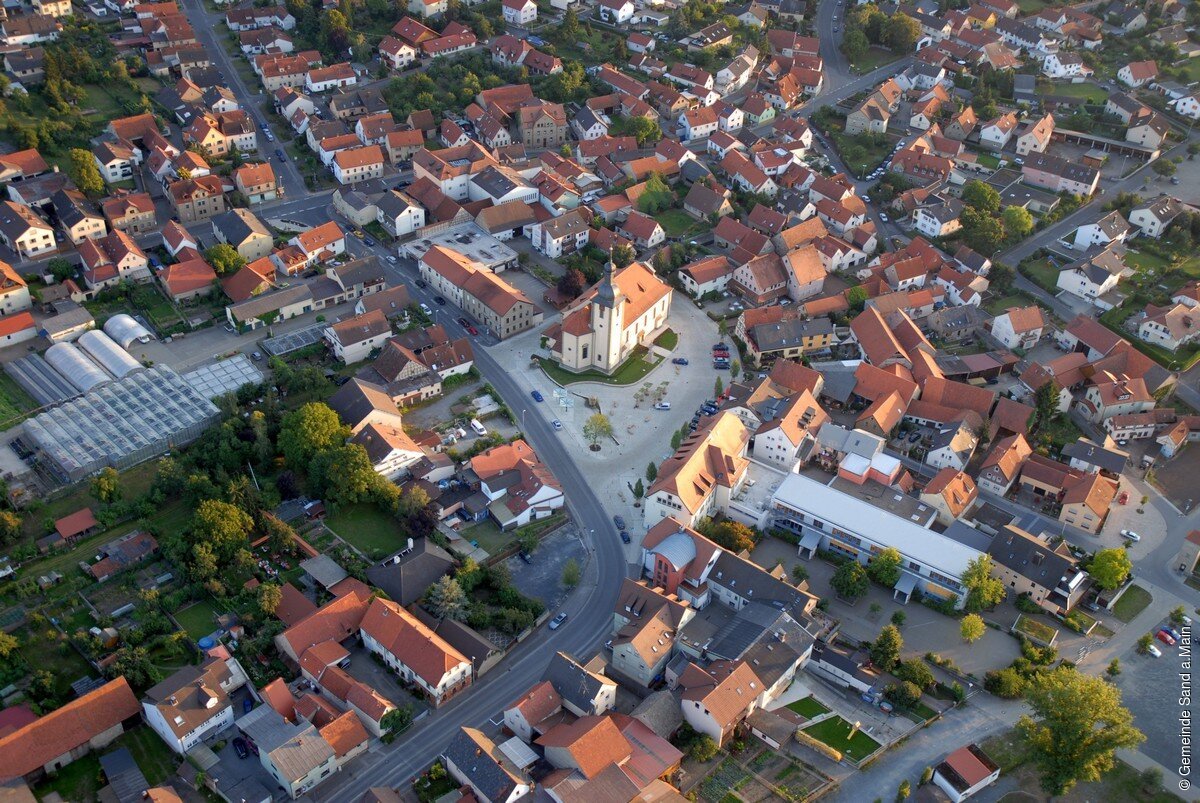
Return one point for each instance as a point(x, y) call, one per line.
point(906, 584)
point(811, 541)
point(518, 752)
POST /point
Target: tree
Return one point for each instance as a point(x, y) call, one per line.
point(1177, 615)
point(597, 427)
point(983, 590)
point(1006, 684)
point(727, 534)
point(703, 748)
point(643, 129)
point(81, 167)
point(269, 597)
point(972, 628)
point(222, 528)
point(569, 27)
point(570, 573)
point(106, 486)
point(8, 644)
point(446, 599)
point(313, 428)
point(1078, 722)
point(1114, 668)
point(884, 567)
point(60, 269)
point(983, 197)
point(676, 439)
point(1045, 402)
point(718, 387)
point(225, 259)
point(10, 526)
point(134, 664)
point(916, 672)
point(1110, 567)
point(623, 256)
point(345, 475)
point(898, 618)
point(903, 791)
point(903, 694)
point(1144, 643)
point(901, 33)
point(1164, 167)
point(1017, 221)
point(799, 573)
point(855, 44)
point(572, 283)
point(885, 649)
point(982, 231)
point(639, 490)
point(850, 580)
point(397, 721)
point(857, 297)
point(656, 196)
point(651, 472)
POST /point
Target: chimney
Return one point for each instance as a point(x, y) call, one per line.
point(410, 543)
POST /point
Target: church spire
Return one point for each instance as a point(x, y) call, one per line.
point(606, 293)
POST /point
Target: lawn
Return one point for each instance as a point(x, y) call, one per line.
point(81, 780)
point(15, 403)
point(1001, 303)
point(864, 152)
point(1142, 260)
point(493, 540)
point(1085, 91)
point(1042, 273)
point(676, 222)
point(59, 657)
point(1038, 631)
point(835, 732)
point(199, 619)
point(134, 482)
point(369, 529)
point(1131, 603)
point(875, 58)
point(988, 160)
point(808, 707)
point(633, 369)
point(156, 761)
point(1062, 431)
point(668, 340)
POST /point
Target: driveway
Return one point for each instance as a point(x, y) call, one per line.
point(365, 668)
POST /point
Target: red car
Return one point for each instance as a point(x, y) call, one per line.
point(1165, 638)
point(472, 330)
point(1123, 498)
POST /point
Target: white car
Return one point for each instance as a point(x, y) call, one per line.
point(425, 309)
point(883, 217)
point(1155, 651)
point(1131, 535)
point(663, 406)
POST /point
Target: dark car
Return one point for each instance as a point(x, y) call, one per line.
point(247, 705)
point(720, 366)
point(525, 556)
point(239, 747)
point(680, 361)
point(619, 521)
point(421, 283)
point(369, 241)
point(625, 537)
point(279, 154)
point(913, 438)
point(720, 345)
point(537, 396)
point(440, 300)
point(463, 322)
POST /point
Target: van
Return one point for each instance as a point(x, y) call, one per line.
point(479, 428)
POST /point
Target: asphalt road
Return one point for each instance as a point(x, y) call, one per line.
point(589, 609)
point(210, 30)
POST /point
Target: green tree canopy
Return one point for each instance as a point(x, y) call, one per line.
point(1018, 223)
point(885, 649)
point(884, 567)
point(106, 486)
point(902, 33)
point(983, 197)
point(81, 167)
point(1110, 567)
point(224, 259)
point(1078, 723)
point(597, 428)
point(313, 428)
point(983, 590)
point(850, 580)
point(446, 599)
point(972, 628)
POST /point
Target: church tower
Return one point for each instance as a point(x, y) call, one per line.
point(607, 323)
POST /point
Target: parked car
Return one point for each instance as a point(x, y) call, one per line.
point(256, 356)
point(441, 300)
point(663, 406)
point(537, 396)
point(680, 361)
point(239, 747)
point(557, 425)
point(463, 322)
point(369, 241)
point(1165, 638)
point(557, 621)
point(280, 155)
point(619, 521)
point(721, 366)
point(525, 556)
point(1155, 651)
point(425, 308)
point(247, 705)
point(1173, 633)
point(721, 345)
point(1131, 535)
point(625, 539)
point(472, 331)
point(391, 260)
point(421, 283)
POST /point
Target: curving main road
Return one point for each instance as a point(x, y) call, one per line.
point(589, 609)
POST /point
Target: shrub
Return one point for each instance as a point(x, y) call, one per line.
point(1004, 683)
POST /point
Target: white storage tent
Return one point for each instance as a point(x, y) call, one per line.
point(125, 330)
point(111, 357)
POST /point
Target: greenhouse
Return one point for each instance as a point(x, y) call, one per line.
point(76, 368)
point(111, 357)
point(120, 424)
point(125, 330)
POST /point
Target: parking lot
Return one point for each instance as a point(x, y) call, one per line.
point(542, 576)
point(1150, 688)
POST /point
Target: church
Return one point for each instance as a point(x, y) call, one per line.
point(601, 328)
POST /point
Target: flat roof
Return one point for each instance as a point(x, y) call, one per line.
point(931, 549)
point(225, 376)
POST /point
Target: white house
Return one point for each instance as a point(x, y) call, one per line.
point(995, 134)
point(417, 654)
point(1019, 327)
point(1153, 217)
point(560, 235)
point(939, 220)
point(1092, 277)
point(1189, 106)
point(616, 12)
point(1065, 65)
point(1112, 228)
point(353, 339)
point(965, 772)
point(193, 703)
point(698, 123)
point(519, 12)
point(1137, 73)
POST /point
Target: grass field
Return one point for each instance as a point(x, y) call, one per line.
point(1001, 303)
point(134, 482)
point(835, 732)
point(676, 223)
point(633, 369)
point(809, 707)
point(15, 403)
point(199, 619)
point(491, 539)
point(875, 58)
point(1085, 91)
point(668, 339)
point(368, 528)
point(1042, 273)
point(1131, 603)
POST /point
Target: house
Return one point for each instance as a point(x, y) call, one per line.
point(1110, 394)
point(1092, 277)
point(189, 279)
point(24, 232)
point(475, 761)
point(870, 116)
point(1028, 565)
point(996, 133)
point(353, 165)
point(717, 699)
point(1112, 228)
point(1019, 327)
point(1060, 175)
point(14, 292)
point(406, 575)
point(115, 160)
point(29, 29)
point(257, 182)
point(967, 770)
point(616, 12)
point(952, 492)
point(1138, 73)
point(17, 328)
point(1065, 65)
point(1003, 464)
point(321, 243)
point(353, 339)
point(194, 703)
point(951, 445)
point(244, 232)
point(517, 485)
point(295, 752)
point(415, 652)
point(519, 12)
point(940, 219)
point(643, 230)
point(1151, 131)
point(704, 473)
point(1171, 326)
point(1153, 217)
point(113, 259)
point(51, 742)
point(1086, 501)
point(1035, 135)
point(196, 199)
point(697, 123)
point(479, 292)
point(133, 213)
